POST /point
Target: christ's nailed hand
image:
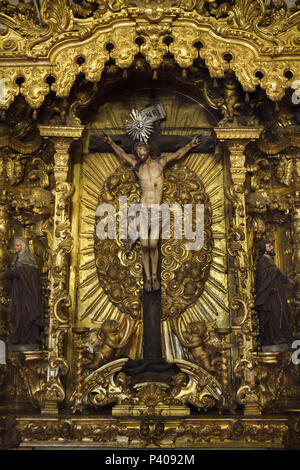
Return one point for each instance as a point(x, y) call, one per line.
point(197, 140)
point(107, 139)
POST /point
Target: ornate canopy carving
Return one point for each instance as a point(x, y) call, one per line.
point(259, 43)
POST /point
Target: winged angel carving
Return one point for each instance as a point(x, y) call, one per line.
point(107, 342)
point(202, 341)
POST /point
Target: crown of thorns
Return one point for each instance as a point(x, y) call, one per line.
point(140, 144)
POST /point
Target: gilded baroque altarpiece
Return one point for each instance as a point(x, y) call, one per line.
point(225, 70)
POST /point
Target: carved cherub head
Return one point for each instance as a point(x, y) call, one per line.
point(109, 326)
point(198, 328)
point(190, 288)
point(144, 429)
point(94, 336)
point(180, 380)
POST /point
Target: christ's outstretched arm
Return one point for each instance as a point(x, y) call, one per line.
point(182, 151)
point(119, 151)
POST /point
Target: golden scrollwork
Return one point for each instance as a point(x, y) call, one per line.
point(184, 272)
point(214, 61)
point(109, 384)
point(120, 275)
point(4, 264)
point(103, 386)
point(156, 432)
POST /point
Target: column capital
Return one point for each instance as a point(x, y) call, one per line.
point(236, 139)
point(238, 135)
point(61, 137)
point(64, 133)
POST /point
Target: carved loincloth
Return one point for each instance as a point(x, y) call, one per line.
point(151, 228)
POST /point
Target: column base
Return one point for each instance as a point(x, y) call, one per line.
point(50, 408)
point(276, 347)
point(252, 409)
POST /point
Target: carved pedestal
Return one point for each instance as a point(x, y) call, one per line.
point(109, 385)
point(31, 369)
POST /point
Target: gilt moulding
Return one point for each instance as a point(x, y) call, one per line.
point(257, 38)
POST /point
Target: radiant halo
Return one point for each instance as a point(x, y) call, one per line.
point(138, 126)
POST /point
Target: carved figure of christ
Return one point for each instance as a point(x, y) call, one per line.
point(150, 174)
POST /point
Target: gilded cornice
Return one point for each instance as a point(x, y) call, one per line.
point(273, 143)
point(237, 133)
point(257, 38)
point(73, 132)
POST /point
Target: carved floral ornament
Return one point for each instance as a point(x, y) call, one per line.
point(258, 38)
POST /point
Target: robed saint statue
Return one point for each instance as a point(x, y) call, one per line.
point(27, 315)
